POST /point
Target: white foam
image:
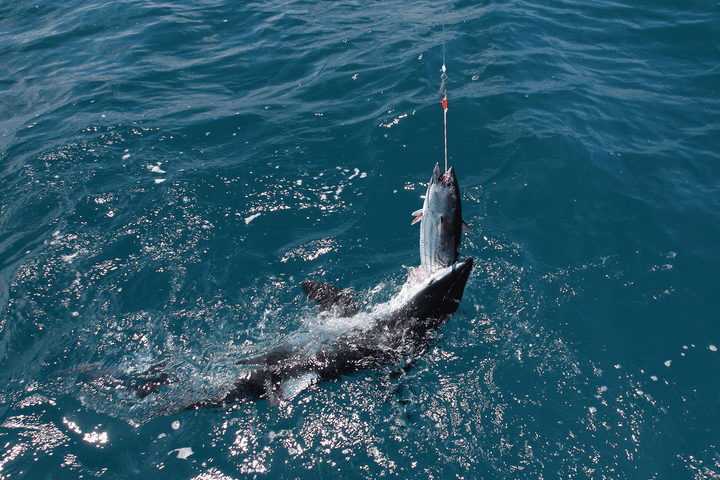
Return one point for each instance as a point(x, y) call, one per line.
point(183, 453)
point(95, 437)
point(251, 218)
point(294, 386)
point(69, 258)
point(332, 326)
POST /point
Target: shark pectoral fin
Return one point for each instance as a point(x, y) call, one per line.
point(271, 393)
point(418, 216)
point(293, 386)
point(329, 296)
point(467, 228)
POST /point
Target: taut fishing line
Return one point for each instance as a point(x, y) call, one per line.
point(443, 89)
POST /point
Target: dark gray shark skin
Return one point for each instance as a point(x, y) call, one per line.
point(441, 221)
point(398, 329)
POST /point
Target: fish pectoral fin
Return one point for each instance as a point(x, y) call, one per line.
point(418, 216)
point(329, 296)
point(467, 228)
point(440, 225)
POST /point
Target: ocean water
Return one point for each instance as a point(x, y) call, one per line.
point(170, 172)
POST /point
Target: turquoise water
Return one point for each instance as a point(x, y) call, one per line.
point(171, 172)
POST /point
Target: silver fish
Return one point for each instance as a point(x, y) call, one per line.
point(441, 221)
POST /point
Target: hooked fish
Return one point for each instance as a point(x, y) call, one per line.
point(441, 221)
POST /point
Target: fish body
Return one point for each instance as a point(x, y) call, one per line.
point(441, 221)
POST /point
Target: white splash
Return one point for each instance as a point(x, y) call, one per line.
point(251, 218)
point(183, 453)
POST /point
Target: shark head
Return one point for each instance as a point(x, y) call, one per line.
point(437, 296)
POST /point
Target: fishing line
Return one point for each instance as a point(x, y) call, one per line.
point(443, 89)
point(443, 37)
point(445, 109)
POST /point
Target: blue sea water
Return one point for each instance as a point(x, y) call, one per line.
point(170, 172)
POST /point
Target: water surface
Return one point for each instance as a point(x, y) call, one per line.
point(171, 172)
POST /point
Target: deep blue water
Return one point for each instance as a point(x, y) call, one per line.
point(172, 171)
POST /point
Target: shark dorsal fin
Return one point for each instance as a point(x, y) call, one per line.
point(331, 297)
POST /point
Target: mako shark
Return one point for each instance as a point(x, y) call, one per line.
point(389, 332)
point(346, 340)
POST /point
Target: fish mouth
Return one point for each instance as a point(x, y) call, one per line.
point(446, 179)
point(438, 176)
point(449, 178)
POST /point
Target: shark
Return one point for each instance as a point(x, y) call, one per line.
point(360, 340)
point(348, 339)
